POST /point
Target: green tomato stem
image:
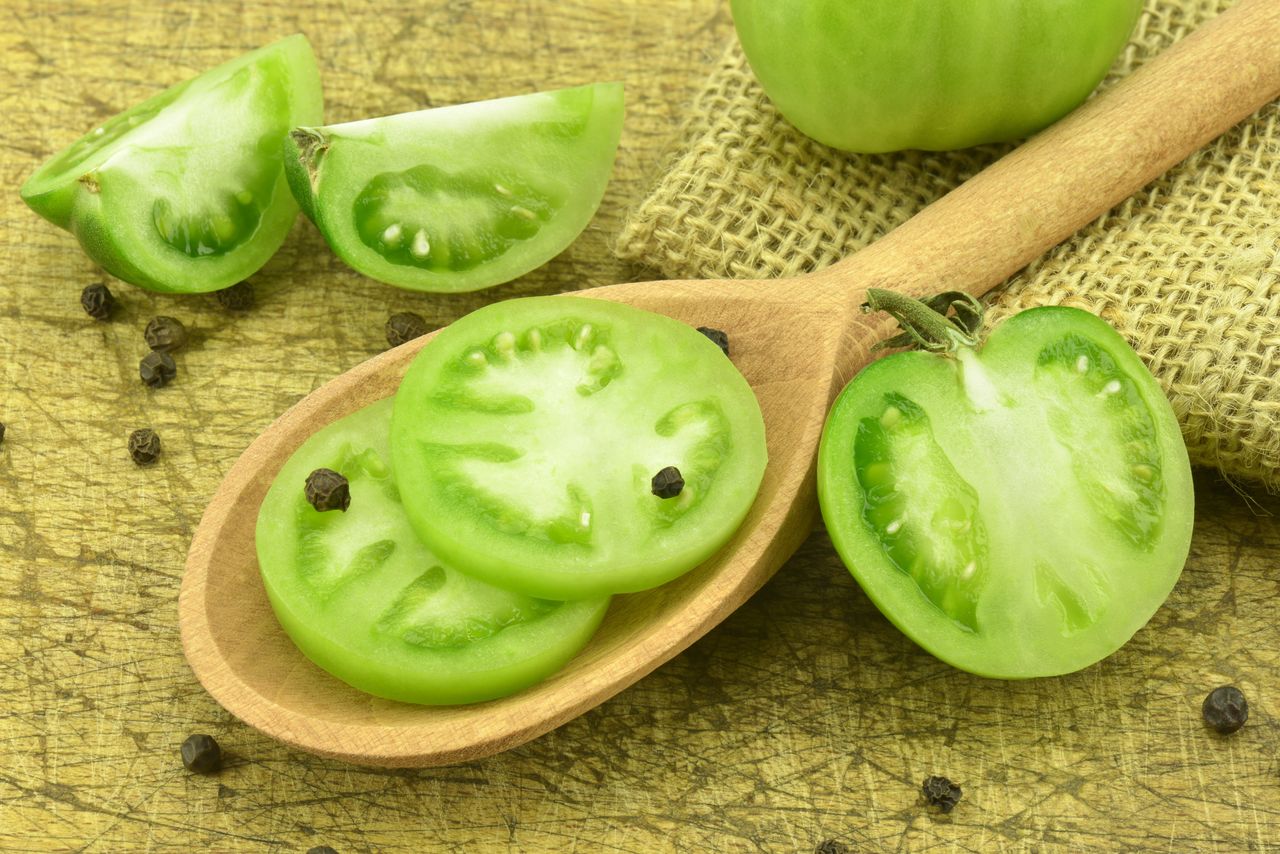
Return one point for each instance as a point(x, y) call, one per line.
point(926, 323)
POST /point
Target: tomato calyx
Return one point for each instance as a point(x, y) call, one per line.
point(943, 323)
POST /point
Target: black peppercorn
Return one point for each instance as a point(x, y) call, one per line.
point(321, 849)
point(97, 301)
point(238, 297)
point(1225, 709)
point(405, 326)
point(157, 368)
point(831, 846)
point(201, 754)
point(941, 792)
point(165, 334)
point(328, 490)
point(720, 339)
point(667, 483)
point(144, 446)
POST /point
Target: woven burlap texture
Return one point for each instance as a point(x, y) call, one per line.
point(1188, 270)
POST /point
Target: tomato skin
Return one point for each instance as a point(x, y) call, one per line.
point(365, 600)
point(463, 197)
point(530, 464)
point(1049, 461)
point(186, 191)
point(886, 75)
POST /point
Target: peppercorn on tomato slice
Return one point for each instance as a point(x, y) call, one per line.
point(366, 600)
point(528, 434)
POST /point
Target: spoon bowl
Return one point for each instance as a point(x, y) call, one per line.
point(796, 341)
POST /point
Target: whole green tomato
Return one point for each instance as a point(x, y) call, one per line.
point(884, 75)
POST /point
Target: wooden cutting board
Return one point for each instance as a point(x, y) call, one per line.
point(804, 717)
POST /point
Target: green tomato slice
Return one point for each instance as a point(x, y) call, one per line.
point(363, 598)
point(186, 191)
point(1017, 511)
point(464, 197)
point(527, 434)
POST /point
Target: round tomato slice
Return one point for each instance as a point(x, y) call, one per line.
point(528, 434)
point(187, 191)
point(363, 598)
point(464, 197)
point(1020, 510)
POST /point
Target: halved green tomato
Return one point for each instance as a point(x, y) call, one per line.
point(1017, 511)
point(526, 437)
point(464, 197)
point(363, 598)
point(186, 191)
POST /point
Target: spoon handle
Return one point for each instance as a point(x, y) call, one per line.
point(1008, 215)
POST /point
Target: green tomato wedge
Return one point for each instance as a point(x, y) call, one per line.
point(1019, 510)
point(363, 598)
point(464, 197)
point(186, 192)
point(884, 75)
point(526, 437)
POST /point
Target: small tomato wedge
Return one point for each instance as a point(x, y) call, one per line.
point(1019, 509)
point(186, 191)
point(464, 197)
point(528, 434)
point(364, 599)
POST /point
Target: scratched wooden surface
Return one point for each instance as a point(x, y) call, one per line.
point(805, 717)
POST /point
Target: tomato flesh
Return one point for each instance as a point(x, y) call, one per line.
point(1017, 511)
point(884, 75)
point(186, 191)
point(527, 434)
point(363, 598)
point(464, 197)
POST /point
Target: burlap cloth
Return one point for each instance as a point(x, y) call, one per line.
point(1188, 270)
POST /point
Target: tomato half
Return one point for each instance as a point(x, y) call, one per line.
point(1019, 510)
point(186, 191)
point(363, 598)
point(884, 75)
point(464, 197)
point(527, 435)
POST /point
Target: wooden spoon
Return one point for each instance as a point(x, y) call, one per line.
point(796, 341)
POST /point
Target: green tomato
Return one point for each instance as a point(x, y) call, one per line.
point(364, 599)
point(526, 437)
point(464, 197)
point(1020, 510)
point(186, 191)
point(884, 75)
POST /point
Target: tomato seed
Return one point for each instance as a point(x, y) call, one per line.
point(1225, 709)
point(201, 754)
point(421, 247)
point(327, 490)
point(667, 483)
